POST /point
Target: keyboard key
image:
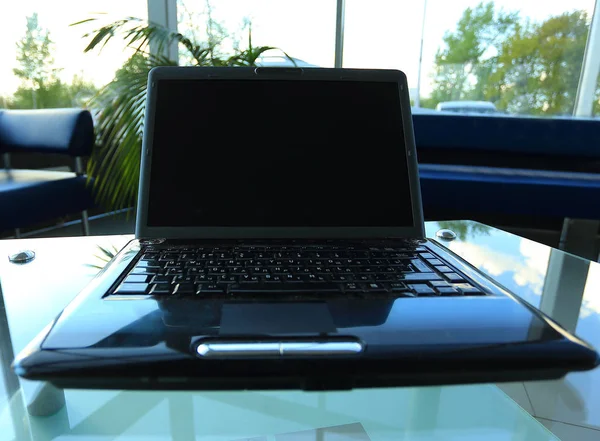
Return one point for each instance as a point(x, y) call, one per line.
point(425, 277)
point(435, 262)
point(448, 291)
point(147, 270)
point(367, 270)
point(284, 287)
point(132, 288)
point(162, 279)
point(174, 271)
point(352, 287)
point(374, 287)
point(187, 257)
point(137, 278)
point(469, 290)
point(162, 289)
point(185, 289)
point(427, 256)
point(149, 264)
point(453, 277)
point(342, 278)
point(210, 288)
point(420, 266)
point(444, 269)
point(197, 271)
point(183, 279)
point(440, 283)
point(422, 290)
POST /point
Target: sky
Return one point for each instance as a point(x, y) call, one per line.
point(378, 33)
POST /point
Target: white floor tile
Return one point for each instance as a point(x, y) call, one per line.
point(568, 432)
point(516, 391)
point(572, 400)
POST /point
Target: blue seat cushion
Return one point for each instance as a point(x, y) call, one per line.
point(491, 190)
point(31, 196)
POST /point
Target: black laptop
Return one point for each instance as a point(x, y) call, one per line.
point(280, 244)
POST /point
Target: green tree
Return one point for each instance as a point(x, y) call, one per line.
point(470, 54)
point(40, 86)
point(55, 94)
point(540, 64)
point(521, 66)
point(34, 56)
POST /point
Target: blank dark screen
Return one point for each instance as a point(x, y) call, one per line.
point(278, 153)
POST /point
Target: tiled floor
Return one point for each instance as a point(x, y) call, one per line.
point(569, 408)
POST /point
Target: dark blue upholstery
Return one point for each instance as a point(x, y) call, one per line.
point(467, 189)
point(28, 197)
point(577, 137)
point(66, 131)
point(542, 160)
point(31, 196)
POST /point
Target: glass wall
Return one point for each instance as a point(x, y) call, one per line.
point(501, 57)
point(509, 57)
point(43, 60)
point(384, 34)
point(596, 108)
point(303, 29)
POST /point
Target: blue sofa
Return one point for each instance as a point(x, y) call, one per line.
point(28, 197)
point(501, 165)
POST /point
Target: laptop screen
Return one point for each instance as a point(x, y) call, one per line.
point(262, 153)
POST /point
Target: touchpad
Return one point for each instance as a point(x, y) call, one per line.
point(276, 318)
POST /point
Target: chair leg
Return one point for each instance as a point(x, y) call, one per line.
point(85, 224)
point(17, 233)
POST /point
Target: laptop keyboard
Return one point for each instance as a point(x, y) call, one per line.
point(284, 271)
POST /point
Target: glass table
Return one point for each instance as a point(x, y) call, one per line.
point(562, 285)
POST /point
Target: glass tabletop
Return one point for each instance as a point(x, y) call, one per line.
point(34, 293)
point(564, 286)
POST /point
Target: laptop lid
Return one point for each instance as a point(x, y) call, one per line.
point(278, 153)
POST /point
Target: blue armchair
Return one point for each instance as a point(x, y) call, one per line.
point(28, 197)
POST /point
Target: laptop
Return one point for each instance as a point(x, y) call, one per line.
point(280, 244)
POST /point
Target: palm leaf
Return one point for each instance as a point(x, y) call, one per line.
point(114, 165)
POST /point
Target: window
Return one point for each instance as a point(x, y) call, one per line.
point(517, 57)
point(304, 29)
point(37, 40)
point(384, 34)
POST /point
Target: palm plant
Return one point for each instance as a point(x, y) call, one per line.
point(119, 106)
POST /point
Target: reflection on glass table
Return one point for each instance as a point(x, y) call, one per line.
point(33, 294)
point(565, 287)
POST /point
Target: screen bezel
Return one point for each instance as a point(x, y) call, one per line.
point(144, 231)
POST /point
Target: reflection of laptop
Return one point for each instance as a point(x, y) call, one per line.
point(280, 244)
